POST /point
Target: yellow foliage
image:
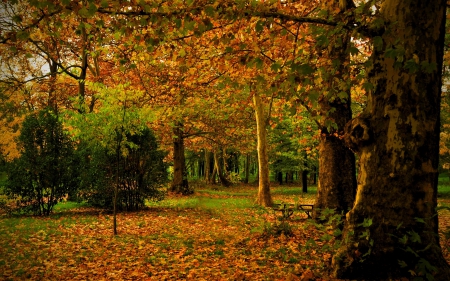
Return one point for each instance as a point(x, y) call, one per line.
point(8, 135)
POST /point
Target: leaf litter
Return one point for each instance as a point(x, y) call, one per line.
point(167, 243)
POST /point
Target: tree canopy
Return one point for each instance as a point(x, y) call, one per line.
point(288, 78)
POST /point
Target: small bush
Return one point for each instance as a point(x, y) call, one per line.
point(141, 173)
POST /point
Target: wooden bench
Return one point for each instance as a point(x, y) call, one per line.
point(288, 209)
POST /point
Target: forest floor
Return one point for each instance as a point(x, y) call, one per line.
point(215, 234)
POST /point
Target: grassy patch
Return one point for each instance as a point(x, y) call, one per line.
point(69, 205)
point(225, 203)
point(295, 190)
point(444, 187)
point(177, 203)
point(228, 193)
point(203, 202)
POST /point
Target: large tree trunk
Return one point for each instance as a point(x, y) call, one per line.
point(180, 181)
point(337, 182)
point(394, 220)
point(264, 197)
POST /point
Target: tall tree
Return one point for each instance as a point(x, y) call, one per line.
point(337, 182)
point(264, 198)
point(393, 224)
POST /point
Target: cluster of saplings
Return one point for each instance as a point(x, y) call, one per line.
point(52, 167)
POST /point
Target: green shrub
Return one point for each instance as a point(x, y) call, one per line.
point(46, 171)
point(142, 173)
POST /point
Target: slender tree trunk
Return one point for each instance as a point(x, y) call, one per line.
point(116, 185)
point(290, 177)
point(314, 175)
point(280, 177)
point(247, 168)
point(52, 98)
point(305, 181)
point(305, 174)
point(264, 197)
point(219, 166)
point(180, 182)
point(83, 69)
point(236, 163)
point(208, 170)
point(201, 168)
point(392, 228)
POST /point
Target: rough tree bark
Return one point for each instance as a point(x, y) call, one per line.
point(337, 182)
point(264, 198)
point(180, 182)
point(394, 220)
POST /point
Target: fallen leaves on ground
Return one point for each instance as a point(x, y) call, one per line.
point(163, 244)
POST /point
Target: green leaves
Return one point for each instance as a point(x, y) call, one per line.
point(391, 53)
point(49, 154)
point(22, 35)
point(182, 53)
point(313, 97)
point(366, 223)
point(17, 18)
point(256, 62)
point(378, 43)
point(275, 66)
point(116, 111)
point(88, 12)
point(367, 86)
point(210, 11)
point(303, 68)
point(259, 27)
point(428, 67)
point(412, 66)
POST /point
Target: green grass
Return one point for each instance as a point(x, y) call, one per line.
point(443, 186)
point(177, 203)
point(282, 190)
point(228, 193)
point(28, 226)
point(444, 191)
point(225, 203)
point(202, 202)
point(69, 205)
